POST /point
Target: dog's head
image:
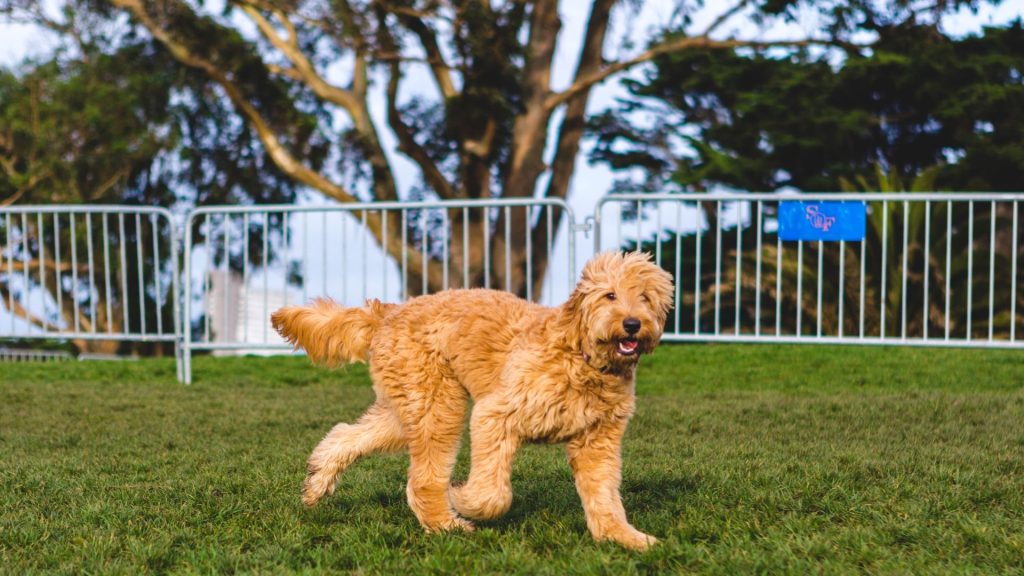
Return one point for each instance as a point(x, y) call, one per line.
point(620, 306)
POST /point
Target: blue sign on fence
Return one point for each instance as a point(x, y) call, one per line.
point(832, 221)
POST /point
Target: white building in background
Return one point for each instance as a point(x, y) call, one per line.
point(241, 314)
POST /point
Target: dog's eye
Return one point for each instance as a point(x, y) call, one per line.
point(611, 296)
point(645, 298)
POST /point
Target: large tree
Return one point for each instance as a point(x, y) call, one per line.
point(491, 125)
point(484, 130)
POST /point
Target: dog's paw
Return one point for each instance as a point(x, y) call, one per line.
point(480, 506)
point(627, 537)
point(636, 540)
point(315, 487)
point(453, 524)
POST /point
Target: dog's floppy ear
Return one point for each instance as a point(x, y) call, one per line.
point(571, 319)
point(664, 290)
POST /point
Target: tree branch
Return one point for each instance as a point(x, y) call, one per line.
point(724, 16)
point(407, 143)
point(302, 69)
point(529, 132)
point(428, 40)
point(684, 43)
point(275, 149)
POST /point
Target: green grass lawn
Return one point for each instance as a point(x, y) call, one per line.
point(741, 459)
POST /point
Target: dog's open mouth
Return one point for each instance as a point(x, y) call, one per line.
point(628, 346)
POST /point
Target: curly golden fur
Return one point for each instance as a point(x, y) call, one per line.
point(535, 374)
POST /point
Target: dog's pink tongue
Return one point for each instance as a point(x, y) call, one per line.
point(628, 345)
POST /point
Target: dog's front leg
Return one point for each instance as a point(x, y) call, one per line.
point(596, 464)
point(487, 493)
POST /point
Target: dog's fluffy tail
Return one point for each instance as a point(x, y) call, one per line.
point(331, 334)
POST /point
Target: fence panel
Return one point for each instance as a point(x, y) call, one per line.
point(100, 275)
point(931, 270)
point(242, 263)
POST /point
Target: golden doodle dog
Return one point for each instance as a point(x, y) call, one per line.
point(535, 374)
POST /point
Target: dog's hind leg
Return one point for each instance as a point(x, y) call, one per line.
point(487, 494)
point(377, 430)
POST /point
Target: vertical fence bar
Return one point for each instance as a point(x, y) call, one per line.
point(305, 257)
point(226, 233)
point(363, 248)
point(323, 254)
point(949, 251)
point(739, 264)
point(26, 256)
point(487, 247)
point(405, 255)
point(74, 272)
point(757, 274)
point(696, 274)
point(208, 246)
point(820, 273)
point(93, 291)
point(508, 248)
point(10, 270)
point(465, 245)
point(41, 244)
point(57, 257)
point(992, 270)
point(285, 250)
point(970, 267)
point(1013, 278)
point(903, 271)
point(444, 248)
point(550, 240)
point(425, 238)
point(124, 273)
point(384, 260)
point(639, 221)
point(799, 287)
point(157, 287)
point(718, 265)
point(883, 291)
point(344, 254)
point(139, 245)
point(246, 293)
point(927, 265)
point(842, 284)
point(657, 233)
point(863, 254)
point(106, 270)
point(677, 297)
point(529, 253)
point(778, 278)
point(266, 271)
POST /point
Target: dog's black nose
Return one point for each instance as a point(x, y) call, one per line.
point(632, 325)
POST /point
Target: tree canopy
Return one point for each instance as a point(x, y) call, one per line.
point(761, 121)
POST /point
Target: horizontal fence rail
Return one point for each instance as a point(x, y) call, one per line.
point(242, 263)
point(931, 270)
point(104, 276)
point(8, 355)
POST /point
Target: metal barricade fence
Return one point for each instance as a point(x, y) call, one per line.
point(932, 270)
point(91, 274)
point(242, 263)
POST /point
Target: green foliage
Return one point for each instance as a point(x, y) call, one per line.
point(742, 459)
point(760, 121)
